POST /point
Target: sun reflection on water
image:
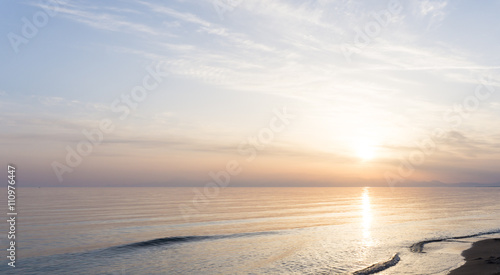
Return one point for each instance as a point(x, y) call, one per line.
point(366, 214)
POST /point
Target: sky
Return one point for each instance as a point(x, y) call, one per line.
point(250, 93)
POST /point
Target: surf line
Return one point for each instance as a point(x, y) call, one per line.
point(419, 247)
point(415, 248)
point(377, 267)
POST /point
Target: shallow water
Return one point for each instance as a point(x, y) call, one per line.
point(246, 230)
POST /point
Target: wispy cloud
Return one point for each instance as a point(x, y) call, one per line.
point(184, 16)
point(433, 10)
point(393, 90)
point(101, 20)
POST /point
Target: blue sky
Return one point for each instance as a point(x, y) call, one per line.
point(366, 82)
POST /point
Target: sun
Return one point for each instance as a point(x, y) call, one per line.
point(365, 151)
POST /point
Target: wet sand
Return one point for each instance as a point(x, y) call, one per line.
point(482, 258)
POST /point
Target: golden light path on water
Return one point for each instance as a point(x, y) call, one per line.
point(367, 215)
point(365, 224)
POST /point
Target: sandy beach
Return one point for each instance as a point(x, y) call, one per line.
point(482, 258)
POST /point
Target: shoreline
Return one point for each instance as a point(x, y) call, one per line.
point(482, 258)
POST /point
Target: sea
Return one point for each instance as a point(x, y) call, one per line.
point(352, 230)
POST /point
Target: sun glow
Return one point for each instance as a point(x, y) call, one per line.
point(365, 151)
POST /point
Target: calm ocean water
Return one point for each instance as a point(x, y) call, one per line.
point(246, 230)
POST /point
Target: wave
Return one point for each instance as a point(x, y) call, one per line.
point(377, 267)
point(166, 241)
point(185, 239)
point(419, 247)
point(372, 269)
point(416, 248)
